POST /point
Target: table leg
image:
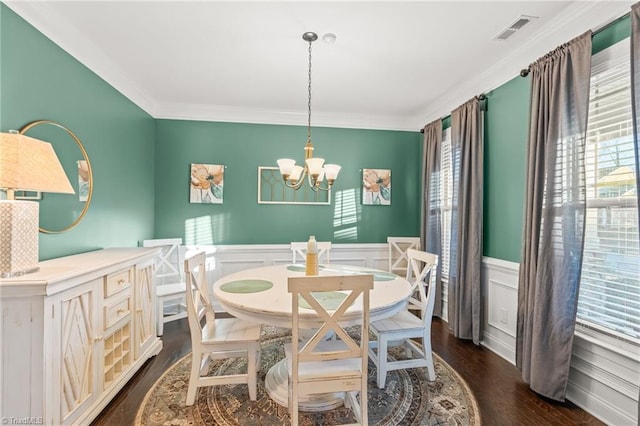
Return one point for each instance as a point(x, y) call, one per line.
point(276, 384)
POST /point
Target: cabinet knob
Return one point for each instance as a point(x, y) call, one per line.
point(98, 338)
point(121, 311)
point(121, 281)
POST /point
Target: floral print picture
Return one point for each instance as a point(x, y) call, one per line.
point(207, 182)
point(376, 187)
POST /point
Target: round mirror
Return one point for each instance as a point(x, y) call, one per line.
point(61, 212)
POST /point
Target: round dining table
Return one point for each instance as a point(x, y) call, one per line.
point(260, 295)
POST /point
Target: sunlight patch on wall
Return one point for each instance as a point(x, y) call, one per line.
point(346, 215)
point(199, 235)
point(206, 230)
point(198, 230)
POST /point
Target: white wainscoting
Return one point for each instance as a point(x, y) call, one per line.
point(500, 287)
point(603, 379)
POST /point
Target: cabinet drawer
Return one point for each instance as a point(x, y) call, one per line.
point(117, 282)
point(116, 310)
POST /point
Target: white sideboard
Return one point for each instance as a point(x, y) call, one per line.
point(73, 334)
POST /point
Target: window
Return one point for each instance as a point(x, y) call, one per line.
point(609, 298)
point(446, 191)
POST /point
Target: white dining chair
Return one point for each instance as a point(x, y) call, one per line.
point(300, 249)
point(170, 285)
point(216, 338)
point(318, 365)
point(398, 247)
point(412, 323)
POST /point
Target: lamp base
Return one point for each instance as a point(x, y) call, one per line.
point(18, 237)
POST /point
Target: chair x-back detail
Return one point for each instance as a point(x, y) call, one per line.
point(300, 249)
point(328, 366)
point(413, 323)
point(170, 284)
point(216, 338)
point(398, 247)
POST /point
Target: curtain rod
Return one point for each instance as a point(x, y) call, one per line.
point(525, 72)
point(480, 97)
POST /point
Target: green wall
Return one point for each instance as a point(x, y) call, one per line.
point(506, 128)
point(38, 80)
point(244, 147)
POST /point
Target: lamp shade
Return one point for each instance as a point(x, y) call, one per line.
point(30, 164)
point(296, 173)
point(332, 171)
point(286, 166)
point(315, 165)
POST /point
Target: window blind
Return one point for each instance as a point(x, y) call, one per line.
point(447, 196)
point(609, 296)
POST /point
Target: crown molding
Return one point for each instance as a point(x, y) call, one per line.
point(222, 113)
point(46, 20)
point(577, 18)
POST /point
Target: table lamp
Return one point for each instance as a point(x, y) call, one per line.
point(26, 164)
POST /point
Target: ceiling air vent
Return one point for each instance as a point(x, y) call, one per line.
point(515, 27)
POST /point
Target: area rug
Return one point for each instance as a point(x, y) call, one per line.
point(407, 399)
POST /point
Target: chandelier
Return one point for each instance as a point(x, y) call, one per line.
point(314, 170)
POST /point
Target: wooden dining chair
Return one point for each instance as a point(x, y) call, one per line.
point(398, 246)
point(300, 249)
point(216, 338)
point(412, 323)
point(170, 285)
point(318, 365)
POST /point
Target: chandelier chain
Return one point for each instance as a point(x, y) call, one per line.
point(309, 101)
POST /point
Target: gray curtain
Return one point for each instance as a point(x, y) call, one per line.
point(465, 303)
point(431, 235)
point(555, 205)
point(635, 96)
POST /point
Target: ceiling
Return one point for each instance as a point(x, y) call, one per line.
point(394, 65)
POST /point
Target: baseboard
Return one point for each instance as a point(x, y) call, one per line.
point(500, 348)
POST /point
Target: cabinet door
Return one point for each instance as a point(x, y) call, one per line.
point(75, 371)
point(144, 318)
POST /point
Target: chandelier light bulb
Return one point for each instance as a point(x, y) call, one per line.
point(286, 165)
point(315, 165)
point(296, 173)
point(331, 171)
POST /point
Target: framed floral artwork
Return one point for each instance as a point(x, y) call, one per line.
point(376, 187)
point(206, 184)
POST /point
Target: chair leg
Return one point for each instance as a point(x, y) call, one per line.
point(363, 405)
point(160, 319)
point(428, 356)
point(194, 377)
point(251, 371)
point(382, 361)
point(293, 407)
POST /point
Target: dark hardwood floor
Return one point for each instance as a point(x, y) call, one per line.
point(502, 397)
